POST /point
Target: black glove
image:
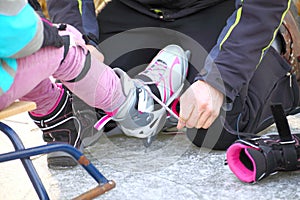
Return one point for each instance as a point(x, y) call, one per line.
point(51, 36)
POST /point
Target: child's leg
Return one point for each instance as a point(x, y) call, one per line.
point(56, 116)
point(48, 98)
point(99, 86)
point(33, 73)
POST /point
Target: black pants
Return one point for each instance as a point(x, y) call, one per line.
point(130, 39)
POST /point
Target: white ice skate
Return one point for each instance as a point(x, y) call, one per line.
point(143, 114)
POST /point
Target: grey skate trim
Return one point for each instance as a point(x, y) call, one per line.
point(159, 124)
point(143, 78)
point(124, 110)
point(128, 113)
point(129, 116)
point(130, 120)
point(154, 125)
point(126, 81)
point(158, 99)
point(134, 123)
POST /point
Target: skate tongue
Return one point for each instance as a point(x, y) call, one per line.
point(247, 163)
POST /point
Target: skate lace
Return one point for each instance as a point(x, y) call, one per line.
point(105, 119)
point(157, 71)
point(158, 100)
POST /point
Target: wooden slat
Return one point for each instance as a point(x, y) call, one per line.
point(17, 108)
point(297, 2)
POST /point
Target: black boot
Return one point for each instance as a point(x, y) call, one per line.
point(253, 159)
point(69, 125)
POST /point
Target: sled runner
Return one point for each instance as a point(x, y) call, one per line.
point(24, 155)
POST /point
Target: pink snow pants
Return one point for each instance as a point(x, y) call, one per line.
point(99, 88)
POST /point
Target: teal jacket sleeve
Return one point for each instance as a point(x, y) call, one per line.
point(18, 18)
point(21, 35)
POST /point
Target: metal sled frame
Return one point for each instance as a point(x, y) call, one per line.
point(24, 155)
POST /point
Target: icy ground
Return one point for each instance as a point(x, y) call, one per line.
point(172, 168)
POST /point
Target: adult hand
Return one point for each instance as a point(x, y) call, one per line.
point(200, 105)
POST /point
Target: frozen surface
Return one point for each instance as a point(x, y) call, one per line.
point(172, 168)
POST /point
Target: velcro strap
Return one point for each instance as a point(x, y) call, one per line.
point(290, 156)
point(85, 69)
point(287, 141)
point(270, 161)
point(152, 87)
point(281, 123)
point(66, 41)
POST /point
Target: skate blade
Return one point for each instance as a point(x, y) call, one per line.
point(148, 141)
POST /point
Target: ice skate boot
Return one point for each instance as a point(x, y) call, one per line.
point(253, 159)
point(165, 75)
point(143, 114)
point(65, 125)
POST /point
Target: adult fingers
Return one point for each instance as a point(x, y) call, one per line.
point(193, 119)
point(186, 110)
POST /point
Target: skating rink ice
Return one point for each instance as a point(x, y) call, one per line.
point(171, 168)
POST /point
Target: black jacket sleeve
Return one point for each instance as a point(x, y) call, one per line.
point(242, 44)
point(78, 13)
point(65, 11)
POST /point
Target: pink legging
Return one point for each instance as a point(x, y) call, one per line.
point(99, 88)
